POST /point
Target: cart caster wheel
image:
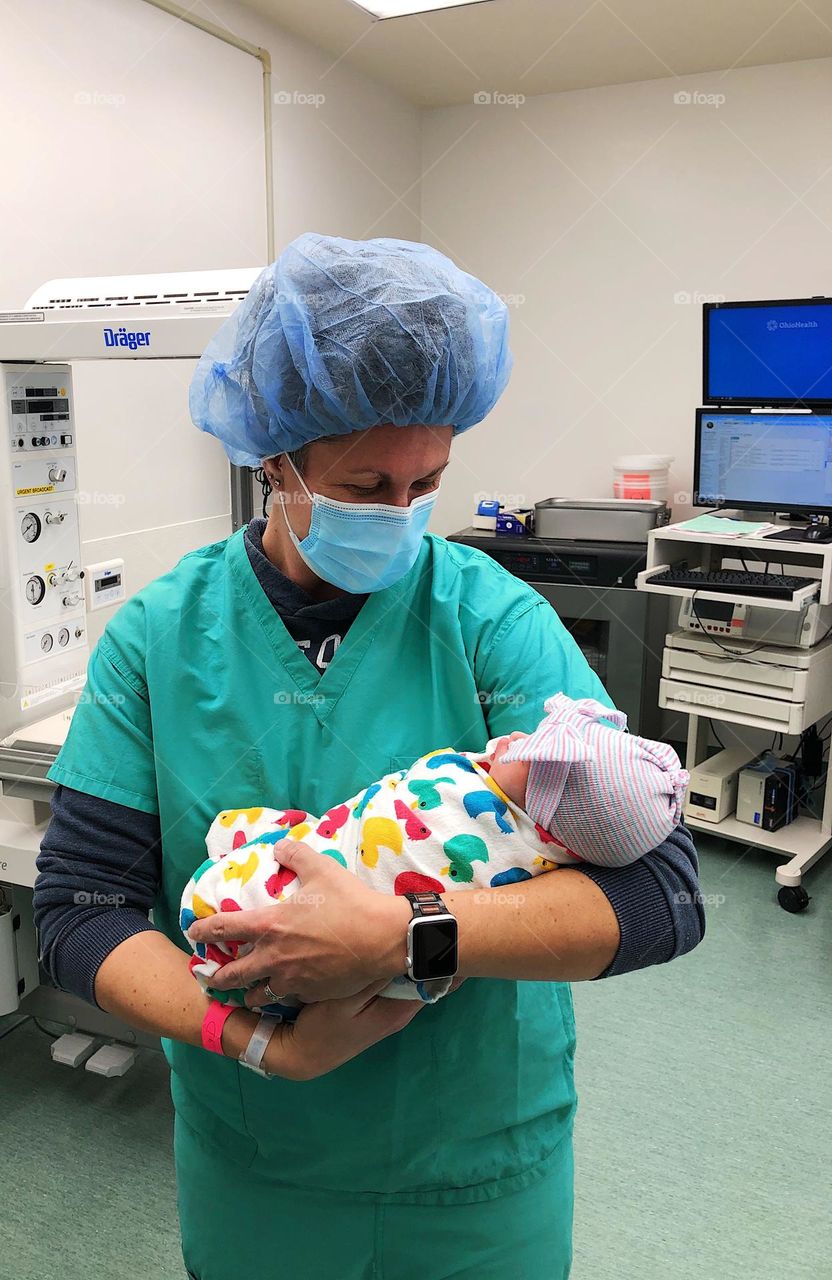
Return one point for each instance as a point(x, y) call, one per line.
point(793, 898)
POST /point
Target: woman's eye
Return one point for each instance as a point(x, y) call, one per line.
point(421, 486)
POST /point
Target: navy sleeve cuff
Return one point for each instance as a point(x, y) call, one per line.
point(85, 947)
point(657, 902)
point(641, 908)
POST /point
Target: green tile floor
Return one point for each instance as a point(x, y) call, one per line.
point(703, 1142)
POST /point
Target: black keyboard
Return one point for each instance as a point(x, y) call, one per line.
point(780, 586)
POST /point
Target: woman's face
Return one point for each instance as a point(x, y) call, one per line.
point(386, 464)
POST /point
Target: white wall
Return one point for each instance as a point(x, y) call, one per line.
point(594, 210)
point(133, 143)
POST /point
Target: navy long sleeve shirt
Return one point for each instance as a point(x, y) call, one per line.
point(86, 906)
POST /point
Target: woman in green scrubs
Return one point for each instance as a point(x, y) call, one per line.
point(396, 1141)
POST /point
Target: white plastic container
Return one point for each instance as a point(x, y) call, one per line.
point(9, 999)
point(642, 476)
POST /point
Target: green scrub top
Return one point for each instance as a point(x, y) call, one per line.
point(198, 700)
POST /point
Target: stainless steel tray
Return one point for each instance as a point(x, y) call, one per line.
point(599, 519)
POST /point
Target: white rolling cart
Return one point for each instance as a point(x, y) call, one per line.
point(783, 688)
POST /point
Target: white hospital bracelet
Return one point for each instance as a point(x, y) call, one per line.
point(255, 1050)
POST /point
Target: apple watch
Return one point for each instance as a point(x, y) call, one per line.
point(432, 938)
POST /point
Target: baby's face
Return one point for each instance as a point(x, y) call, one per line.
point(513, 776)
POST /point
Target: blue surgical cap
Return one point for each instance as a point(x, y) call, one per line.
point(339, 335)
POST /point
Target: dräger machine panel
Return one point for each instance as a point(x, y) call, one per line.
point(41, 591)
point(44, 640)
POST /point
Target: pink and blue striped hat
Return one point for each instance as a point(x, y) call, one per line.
point(595, 788)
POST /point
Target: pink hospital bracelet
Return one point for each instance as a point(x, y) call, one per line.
point(213, 1023)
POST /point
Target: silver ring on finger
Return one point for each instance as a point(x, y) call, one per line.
point(272, 997)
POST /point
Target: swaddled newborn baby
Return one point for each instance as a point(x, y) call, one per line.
point(573, 790)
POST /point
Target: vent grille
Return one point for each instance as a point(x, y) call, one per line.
point(146, 300)
point(190, 289)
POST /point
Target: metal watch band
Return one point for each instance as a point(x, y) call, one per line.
point(427, 903)
point(255, 1050)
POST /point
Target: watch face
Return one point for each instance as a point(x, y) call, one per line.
point(434, 948)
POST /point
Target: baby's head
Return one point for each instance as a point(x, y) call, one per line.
point(592, 786)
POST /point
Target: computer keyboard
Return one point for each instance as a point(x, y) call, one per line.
point(780, 586)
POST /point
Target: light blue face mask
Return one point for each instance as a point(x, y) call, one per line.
point(361, 546)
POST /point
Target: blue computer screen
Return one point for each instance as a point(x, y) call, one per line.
point(770, 460)
point(770, 353)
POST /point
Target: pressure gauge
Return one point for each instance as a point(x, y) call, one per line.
point(63, 636)
point(35, 589)
point(46, 642)
point(30, 527)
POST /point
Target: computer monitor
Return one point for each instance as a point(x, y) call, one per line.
point(763, 461)
point(768, 353)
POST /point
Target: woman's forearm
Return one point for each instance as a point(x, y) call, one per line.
point(558, 927)
point(146, 982)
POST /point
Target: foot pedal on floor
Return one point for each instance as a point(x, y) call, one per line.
point(71, 1050)
point(112, 1060)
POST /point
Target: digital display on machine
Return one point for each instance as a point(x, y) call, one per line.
point(102, 584)
point(47, 406)
point(530, 563)
point(768, 353)
point(519, 562)
point(763, 461)
point(715, 610)
point(41, 391)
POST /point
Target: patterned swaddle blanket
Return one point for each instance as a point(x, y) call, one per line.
point(444, 824)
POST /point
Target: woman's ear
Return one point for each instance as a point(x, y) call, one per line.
point(271, 469)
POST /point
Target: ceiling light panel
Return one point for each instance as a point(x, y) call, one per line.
point(382, 9)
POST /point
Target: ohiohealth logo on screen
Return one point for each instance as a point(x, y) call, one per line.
point(122, 338)
point(774, 325)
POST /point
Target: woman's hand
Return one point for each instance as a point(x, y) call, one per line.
point(331, 1032)
point(331, 939)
